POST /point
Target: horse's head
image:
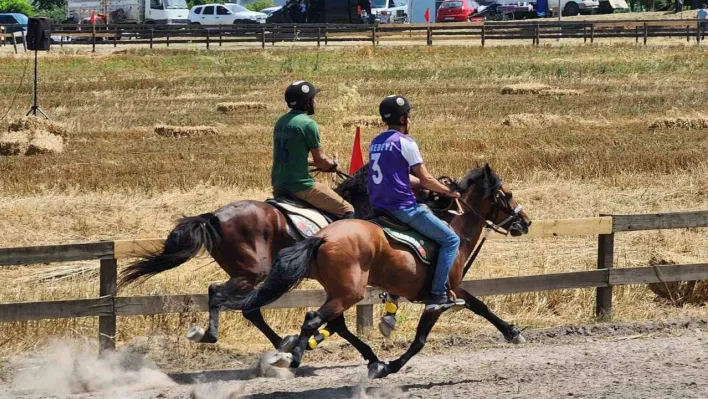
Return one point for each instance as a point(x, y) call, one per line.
point(485, 196)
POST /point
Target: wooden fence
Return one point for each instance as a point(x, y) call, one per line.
point(108, 305)
point(270, 34)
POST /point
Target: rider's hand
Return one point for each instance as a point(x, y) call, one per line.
point(334, 167)
point(454, 195)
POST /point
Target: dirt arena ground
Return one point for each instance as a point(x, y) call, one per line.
point(639, 360)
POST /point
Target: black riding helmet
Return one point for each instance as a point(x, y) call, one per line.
point(392, 108)
point(299, 93)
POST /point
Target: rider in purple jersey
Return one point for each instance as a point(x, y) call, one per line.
point(393, 155)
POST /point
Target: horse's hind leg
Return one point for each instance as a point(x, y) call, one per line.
point(426, 323)
point(256, 318)
point(332, 309)
point(339, 326)
point(511, 332)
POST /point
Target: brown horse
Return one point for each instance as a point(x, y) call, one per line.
point(348, 255)
point(243, 238)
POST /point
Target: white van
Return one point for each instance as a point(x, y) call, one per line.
point(387, 10)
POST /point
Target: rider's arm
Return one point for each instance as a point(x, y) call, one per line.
point(428, 181)
point(321, 161)
point(312, 139)
point(415, 182)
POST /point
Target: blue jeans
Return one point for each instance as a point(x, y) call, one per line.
point(426, 223)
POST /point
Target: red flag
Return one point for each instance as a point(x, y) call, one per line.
point(427, 15)
point(357, 157)
point(92, 19)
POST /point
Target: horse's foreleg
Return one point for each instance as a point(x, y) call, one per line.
point(511, 332)
point(339, 326)
point(426, 323)
point(256, 318)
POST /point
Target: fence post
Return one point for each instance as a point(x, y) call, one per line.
point(537, 35)
point(263, 39)
point(585, 32)
point(115, 38)
point(93, 39)
point(326, 37)
point(272, 35)
point(698, 34)
point(220, 35)
point(24, 40)
point(167, 38)
point(319, 35)
point(605, 258)
point(646, 33)
point(152, 37)
point(364, 319)
point(107, 324)
point(14, 42)
point(688, 33)
point(208, 38)
point(592, 33)
point(373, 35)
point(483, 34)
point(430, 36)
point(636, 34)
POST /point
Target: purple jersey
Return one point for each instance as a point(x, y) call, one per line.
point(391, 156)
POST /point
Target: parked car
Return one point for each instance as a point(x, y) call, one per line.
point(270, 10)
point(224, 14)
point(14, 19)
point(319, 11)
point(389, 11)
point(456, 10)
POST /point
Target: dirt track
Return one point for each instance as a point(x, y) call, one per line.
point(648, 360)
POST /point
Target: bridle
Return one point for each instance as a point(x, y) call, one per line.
point(503, 227)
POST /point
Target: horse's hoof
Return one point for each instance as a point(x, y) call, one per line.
point(279, 359)
point(514, 335)
point(387, 325)
point(378, 370)
point(288, 343)
point(195, 334)
point(519, 339)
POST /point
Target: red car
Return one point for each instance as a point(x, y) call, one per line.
point(456, 10)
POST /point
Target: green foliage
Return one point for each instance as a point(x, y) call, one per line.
point(56, 14)
point(259, 5)
point(48, 5)
point(17, 6)
point(192, 3)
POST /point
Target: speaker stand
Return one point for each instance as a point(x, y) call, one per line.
point(35, 107)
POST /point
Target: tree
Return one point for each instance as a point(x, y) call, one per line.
point(259, 5)
point(17, 6)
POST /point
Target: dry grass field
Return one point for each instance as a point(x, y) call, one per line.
point(563, 155)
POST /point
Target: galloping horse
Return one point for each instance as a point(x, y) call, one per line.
point(348, 255)
point(244, 238)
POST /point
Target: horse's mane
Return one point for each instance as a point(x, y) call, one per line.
point(484, 177)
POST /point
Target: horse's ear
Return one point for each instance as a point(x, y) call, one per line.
point(487, 169)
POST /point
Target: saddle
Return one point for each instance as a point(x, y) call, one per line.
point(304, 220)
point(424, 248)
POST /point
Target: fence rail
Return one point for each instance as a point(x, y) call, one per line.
point(270, 34)
point(108, 306)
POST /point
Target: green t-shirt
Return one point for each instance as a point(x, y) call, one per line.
point(295, 134)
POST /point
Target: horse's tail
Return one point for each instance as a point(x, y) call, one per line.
point(183, 243)
point(291, 266)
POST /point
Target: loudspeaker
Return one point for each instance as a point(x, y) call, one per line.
point(38, 32)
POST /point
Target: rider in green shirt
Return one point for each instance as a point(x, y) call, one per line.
point(295, 136)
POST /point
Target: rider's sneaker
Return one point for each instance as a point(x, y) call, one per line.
point(438, 302)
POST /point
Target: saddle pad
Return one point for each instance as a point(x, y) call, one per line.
point(425, 249)
point(310, 214)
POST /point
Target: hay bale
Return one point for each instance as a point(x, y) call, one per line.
point(680, 123)
point(679, 293)
point(29, 142)
point(532, 120)
point(524, 88)
point(239, 106)
point(33, 123)
point(365, 121)
point(185, 131)
point(560, 92)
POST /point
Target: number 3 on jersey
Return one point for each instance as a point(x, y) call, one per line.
point(376, 169)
